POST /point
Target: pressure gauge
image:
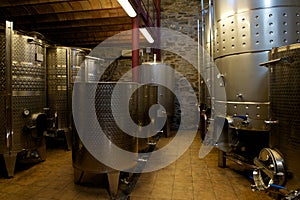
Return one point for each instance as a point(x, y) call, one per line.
point(26, 112)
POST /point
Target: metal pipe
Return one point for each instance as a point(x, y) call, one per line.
point(135, 48)
point(68, 90)
point(211, 21)
point(199, 74)
point(203, 48)
point(158, 30)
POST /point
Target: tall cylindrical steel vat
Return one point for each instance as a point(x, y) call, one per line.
point(63, 64)
point(285, 108)
point(245, 31)
point(3, 145)
point(23, 96)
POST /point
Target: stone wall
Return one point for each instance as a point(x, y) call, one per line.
point(182, 16)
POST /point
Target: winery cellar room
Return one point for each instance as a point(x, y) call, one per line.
point(150, 99)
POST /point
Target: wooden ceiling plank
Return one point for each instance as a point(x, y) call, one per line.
point(89, 29)
point(96, 4)
point(29, 20)
point(87, 34)
point(9, 4)
point(75, 23)
point(86, 5)
point(41, 9)
point(75, 5)
point(60, 9)
point(91, 43)
point(106, 4)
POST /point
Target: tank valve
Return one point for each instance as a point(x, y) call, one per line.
point(239, 95)
point(294, 195)
point(253, 188)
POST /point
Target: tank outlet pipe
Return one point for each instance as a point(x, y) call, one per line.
point(254, 188)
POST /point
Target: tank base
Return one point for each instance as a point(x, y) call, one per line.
point(113, 180)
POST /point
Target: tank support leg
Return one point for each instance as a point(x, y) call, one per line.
point(10, 163)
point(78, 175)
point(68, 140)
point(221, 159)
point(113, 181)
point(42, 151)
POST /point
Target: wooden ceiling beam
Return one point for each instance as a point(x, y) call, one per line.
point(9, 4)
point(106, 28)
point(76, 23)
point(34, 12)
point(95, 35)
point(93, 43)
point(98, 40)
point(80, 15)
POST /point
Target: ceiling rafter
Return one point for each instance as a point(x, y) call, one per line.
point(50, 12)
point(125, 41)
point(80, 15)
point(107, 28)
point(9, 4)
point(80, 23)
point(104, 34)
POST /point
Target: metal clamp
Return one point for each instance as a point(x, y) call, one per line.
point(270, 169)
point(283, 59)
point(239, 95)
point(271, 122)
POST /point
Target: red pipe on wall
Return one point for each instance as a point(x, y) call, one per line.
point(158, 30)
point(141, 13)
point(135, 48)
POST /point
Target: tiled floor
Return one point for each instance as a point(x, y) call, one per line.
point(187, 178)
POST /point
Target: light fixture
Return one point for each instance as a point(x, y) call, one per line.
point(127, 7)
point(147, 35)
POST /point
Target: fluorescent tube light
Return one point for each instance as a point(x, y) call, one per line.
point(127, 7)
point(147, 35)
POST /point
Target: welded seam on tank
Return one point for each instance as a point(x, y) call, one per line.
point(244, 102)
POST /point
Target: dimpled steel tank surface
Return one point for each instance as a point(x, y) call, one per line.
point(285, 109)
point(63, 64)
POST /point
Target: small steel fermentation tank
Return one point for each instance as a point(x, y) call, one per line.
point(85, 162)
point(107, 99)
point(159, 74)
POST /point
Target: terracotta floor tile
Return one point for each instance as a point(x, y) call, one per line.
point(183, 194)
point(188, 178)
point(204, 195)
